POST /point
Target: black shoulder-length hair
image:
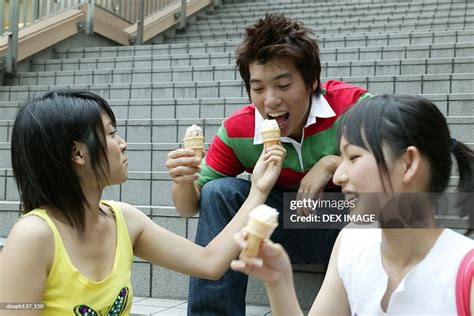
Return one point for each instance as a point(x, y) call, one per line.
point(400, 121)
point(43, 136)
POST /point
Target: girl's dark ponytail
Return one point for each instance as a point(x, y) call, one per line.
point(465, 160)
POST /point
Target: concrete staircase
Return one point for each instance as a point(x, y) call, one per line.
point(413, 47)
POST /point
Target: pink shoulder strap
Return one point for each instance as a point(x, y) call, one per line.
point(463, 284)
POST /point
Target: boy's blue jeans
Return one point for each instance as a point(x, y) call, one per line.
point(220, 200)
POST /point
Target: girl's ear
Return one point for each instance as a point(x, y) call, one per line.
point(411, 160)
point(78, 150)
point(315, 85)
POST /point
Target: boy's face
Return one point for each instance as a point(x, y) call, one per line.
point(278, 92)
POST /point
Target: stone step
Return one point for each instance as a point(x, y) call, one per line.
point(337, 20)
point(142, 188)
point(186, 51)
point(394, 28)
point(167, 215)
point(360, 39)
point(397, 84)
point(277, 5)
point(319, 9)
point(173, 130)
point(223, 62)
point(172, 108)
point(419, 66)
point(142, 157)
point(238, 3)
point(455, 104)
point(330, 16)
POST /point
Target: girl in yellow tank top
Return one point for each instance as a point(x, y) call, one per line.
point(73, 252)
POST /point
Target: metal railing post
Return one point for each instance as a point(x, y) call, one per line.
point(217, 3)
point(182, 23)
point(2, 17)
point(90, 17)
point(12, 51)
point(140, 22)
point(35, 11)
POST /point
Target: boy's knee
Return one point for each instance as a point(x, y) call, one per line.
point(225, 188)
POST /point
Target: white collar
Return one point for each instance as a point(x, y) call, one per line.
point(319, 108)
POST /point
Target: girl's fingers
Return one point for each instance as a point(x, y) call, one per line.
point(241, 266)
point(239, 239)
point(279, 153)
point(252, 261)
point(271, 249)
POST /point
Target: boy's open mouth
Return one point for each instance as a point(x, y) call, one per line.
point(281, 118)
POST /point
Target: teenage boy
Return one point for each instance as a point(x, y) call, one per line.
point(279, 63)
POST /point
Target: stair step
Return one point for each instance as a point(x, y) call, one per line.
point(360, 39)
point(224, 62)
point(439, 50)
point(230, 72)
point(454, 104)
point(363, 30)
point(341, 22)
point(228, 6)
point(319, 9)
point(142, 157)
point(330, 17)
point(142, 188)
point(406, 84)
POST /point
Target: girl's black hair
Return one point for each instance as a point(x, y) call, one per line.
point(42, 142)
point(400, 121)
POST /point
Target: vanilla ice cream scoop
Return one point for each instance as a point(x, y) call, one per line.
point(262, 222)
point(193, 130)
point(264, 213)
point(193, 139)
point(270, 133)
point(270, 124)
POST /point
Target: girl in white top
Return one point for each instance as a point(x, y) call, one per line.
point(392, 145)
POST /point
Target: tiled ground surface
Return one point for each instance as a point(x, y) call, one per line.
point(163, 307)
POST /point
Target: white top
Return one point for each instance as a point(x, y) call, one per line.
point(427, 289)
point(319, 108)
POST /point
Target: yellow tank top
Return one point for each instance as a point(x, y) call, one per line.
point(68, 292)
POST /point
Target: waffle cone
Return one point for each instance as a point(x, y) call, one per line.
point(258, 231)
point(196, 143)
point(253, 246)
point(271, 137)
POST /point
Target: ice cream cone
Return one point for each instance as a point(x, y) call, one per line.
point(271, 137)
point(196, 143)
point(258, 231)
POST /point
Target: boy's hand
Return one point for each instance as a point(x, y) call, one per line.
point(316, 179)
point(183, 166)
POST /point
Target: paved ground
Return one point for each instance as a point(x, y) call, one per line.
point(157, 306)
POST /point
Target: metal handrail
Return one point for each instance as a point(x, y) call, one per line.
point(23, 13)
point(131, 11)
point(32, 11)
